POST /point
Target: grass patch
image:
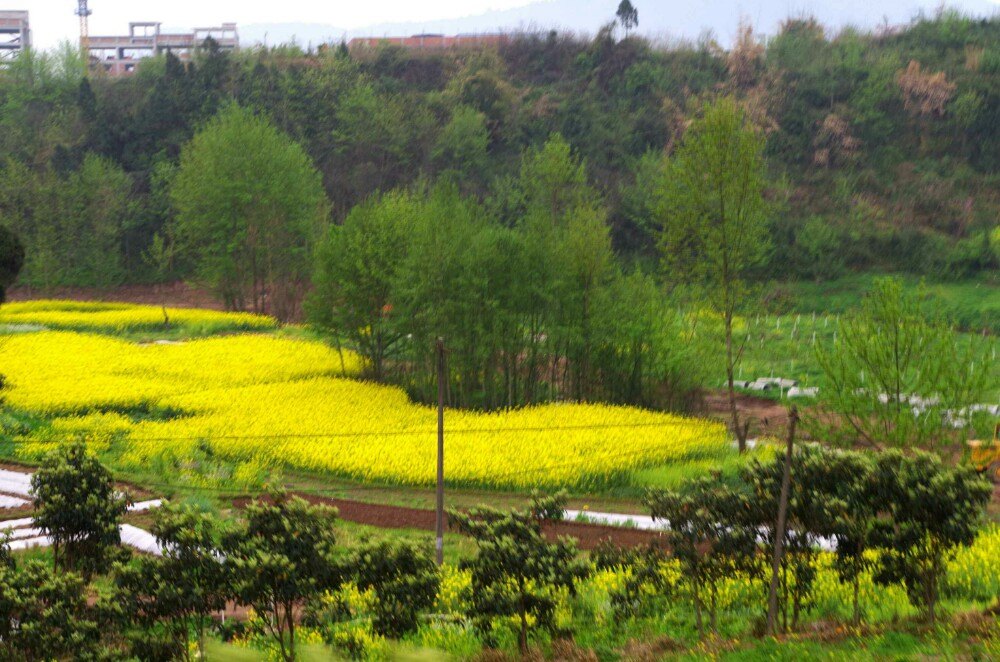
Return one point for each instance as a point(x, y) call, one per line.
point(972, 304)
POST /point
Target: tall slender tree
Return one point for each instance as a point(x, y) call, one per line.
point(628, 16)
point(715, 220)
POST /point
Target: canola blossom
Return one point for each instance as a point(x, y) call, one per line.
point(124, 317)
point(271, 401)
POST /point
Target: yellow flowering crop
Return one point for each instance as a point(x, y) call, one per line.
point(122, 317)
point(61, 372)
point(974, 573)
point(268, 401)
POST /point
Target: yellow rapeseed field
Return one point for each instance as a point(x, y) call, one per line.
point(270, 401)
point(123, 317)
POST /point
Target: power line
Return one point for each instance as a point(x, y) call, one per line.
point(23, 439)
point(361, 488)
point(383, 433)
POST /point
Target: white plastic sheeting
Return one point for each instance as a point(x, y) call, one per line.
point(15, 482)
point(16, 523)
point(642, 522)
point(145, 505)
point(26, 532)
point(28, 543)
point(24, 535)
point(8, 502)
point(144, 541)
point(647, 523)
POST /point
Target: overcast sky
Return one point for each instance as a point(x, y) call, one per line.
point(53, 21)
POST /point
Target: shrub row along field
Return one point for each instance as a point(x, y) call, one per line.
point(264, 401)
point(126, 318)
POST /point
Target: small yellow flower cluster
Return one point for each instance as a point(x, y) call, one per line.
point(454, 592)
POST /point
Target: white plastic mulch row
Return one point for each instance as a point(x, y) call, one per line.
point(28, 543)
point(25, 536)
point(143, 541)
point(15, 482)
point(642, 522)
point(9, 502)
point(647, 523)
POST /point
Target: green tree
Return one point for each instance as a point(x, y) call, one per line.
point(405, 581)
point(855, 481)
point(932, 511)
point(54, 621)
point(711, 537)
point(280, 559)
point(897, 375)
point(72, 224)
point(714, 217)
point(516, 573)
point(452, 286)
point(567, 254)
point(462, 147)
point(11, 260)
point(357, 270)
point(627, 15)
point(249, 206)
point(643, 578)
point(377, 139)
point(77, 506)
point(586, 274)
point(640, 355)
point(814, 506)
point(184, 587)
point(818, 249)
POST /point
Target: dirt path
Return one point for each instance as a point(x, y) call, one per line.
point(400, 517)
point(767, 417)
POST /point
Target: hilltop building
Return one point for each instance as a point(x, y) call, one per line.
point(15, 34)
point(432, 41)
point(119, 56)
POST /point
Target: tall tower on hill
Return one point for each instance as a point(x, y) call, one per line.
point(84, 12)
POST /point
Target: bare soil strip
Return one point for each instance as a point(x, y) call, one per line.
point(400, 517)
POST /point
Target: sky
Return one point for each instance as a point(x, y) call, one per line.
point(53, 21)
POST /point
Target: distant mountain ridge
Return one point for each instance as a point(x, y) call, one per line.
point(657, 18)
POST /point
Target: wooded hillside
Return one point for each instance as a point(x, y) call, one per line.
point(883, 149)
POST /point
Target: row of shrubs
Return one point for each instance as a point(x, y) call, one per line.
point(894, 519)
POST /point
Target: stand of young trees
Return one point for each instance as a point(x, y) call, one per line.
point(525, 290)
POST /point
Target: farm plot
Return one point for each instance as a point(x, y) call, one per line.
point(126, 318)
point(262, 402)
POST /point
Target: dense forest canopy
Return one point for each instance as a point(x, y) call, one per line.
point(883, 150)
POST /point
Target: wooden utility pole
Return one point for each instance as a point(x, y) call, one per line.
point(779, 529)
point(439, 544)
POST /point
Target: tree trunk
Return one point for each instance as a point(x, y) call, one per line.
point(522, 638)
point(779, 530)
point(696, 582)
point(290, 616)
point(712, 610)
point(738, 430)
point(856, 619)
